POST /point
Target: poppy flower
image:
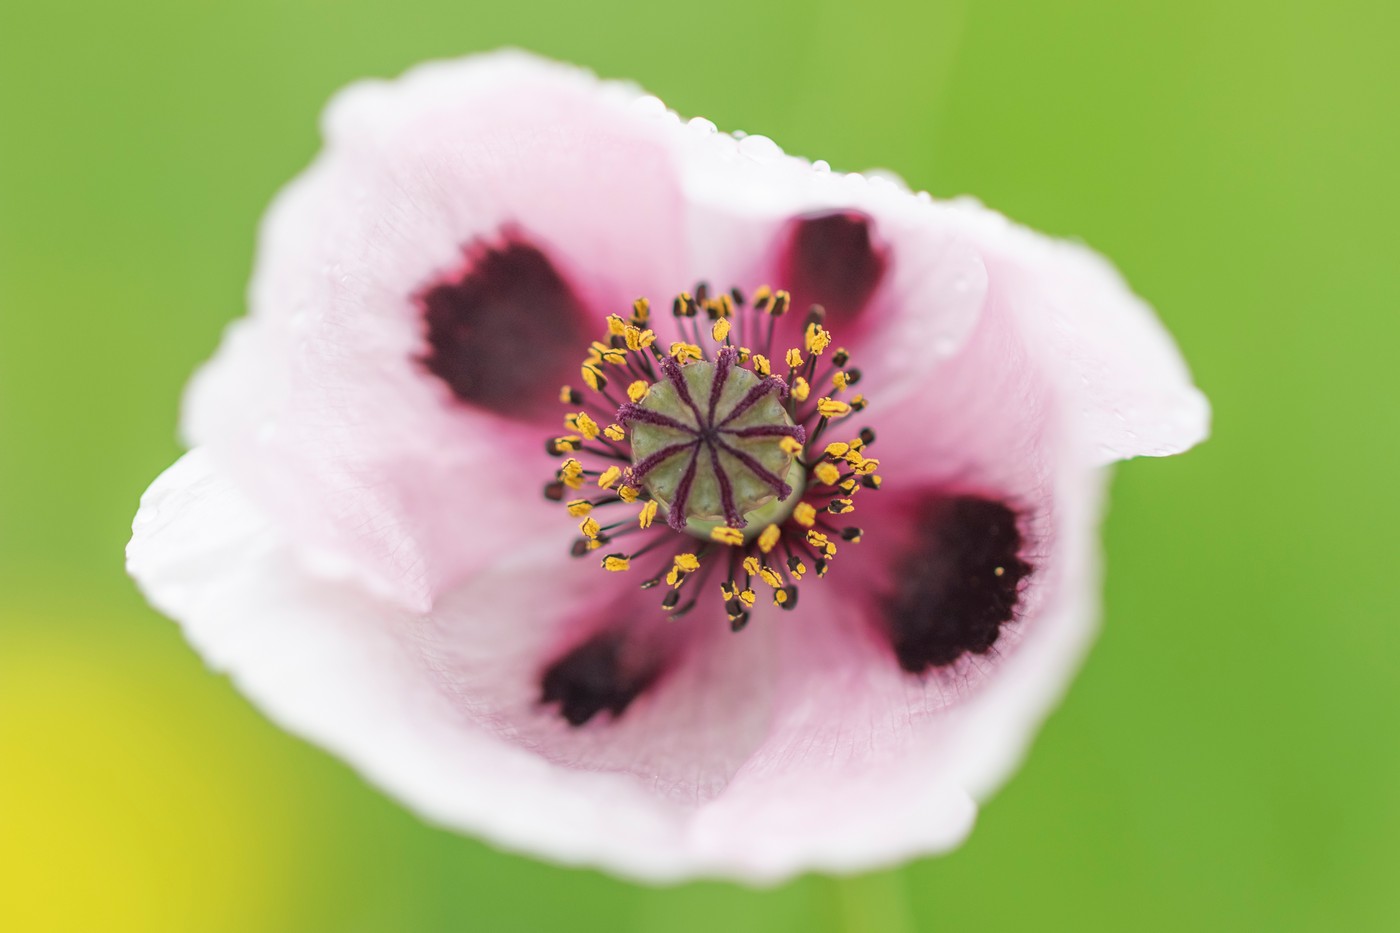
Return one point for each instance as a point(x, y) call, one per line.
point(637, 495)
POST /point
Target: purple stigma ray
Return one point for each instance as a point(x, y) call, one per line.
point(796, 431)
point(724, 361)
point(676, 516)
point(757, 469)
point(672, 371)
point(634, 412)
point(726, 492)
point(639, 470)
point(756, 394)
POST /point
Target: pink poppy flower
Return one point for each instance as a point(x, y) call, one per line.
point(800, 585)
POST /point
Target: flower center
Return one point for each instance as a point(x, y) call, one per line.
point(712, 443)
point(726, 446)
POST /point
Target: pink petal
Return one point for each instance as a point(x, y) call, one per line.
point(442, 709)
point(1118, 365)
point(319, 402)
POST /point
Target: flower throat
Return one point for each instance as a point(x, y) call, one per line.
point(721, 439)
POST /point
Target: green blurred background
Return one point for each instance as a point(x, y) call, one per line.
point(1228, 759)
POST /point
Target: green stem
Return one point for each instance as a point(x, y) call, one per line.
point(874, 903)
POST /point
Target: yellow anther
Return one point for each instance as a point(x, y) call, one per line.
point(805, 514)
point(797, 569)
point(800, 389)
point(571, 472)
point(566, 443)
point(616, 325)
point(720, 331)
point(578, 508)
point(831, 408)
point(566, 394)
point(744, 354)
point(627, 493)
point(641, 309)
point(751, 565)
point(761, 365)
point(684, 564)
point(858, 403)
point(840, 381)
point(791, 445)
point(685, 351)
point(841, 506)
point(781, 300)
point(594, 543)
point(614, 432)
point(748, 597)
point(818, 338)
point(587, 426)
point(638, 390)
point(818, 540)
point(593, 377)
point(850, 486)
point(648, 514)
point(770, 576)
point(614, 355)
point(780, 597)
point(826, 473)
point(866, 466)
point(837, 449)
point(615, 564)
point(590, 527)
point(769, 538)
point(638, 339)
point(793, 358)
point(726, 535)
point(727, 590)
point(875, 480)
point(609, 478)
point(762, 296)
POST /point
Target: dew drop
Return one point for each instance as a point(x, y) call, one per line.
point(650, 106)
point(760, 149)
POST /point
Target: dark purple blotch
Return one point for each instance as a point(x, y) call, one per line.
point(505, 332)
point(835, 261)
point(957, 585)
point(601, 674)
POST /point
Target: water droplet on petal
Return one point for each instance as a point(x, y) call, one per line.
point(651, 106)
point(760, 149)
